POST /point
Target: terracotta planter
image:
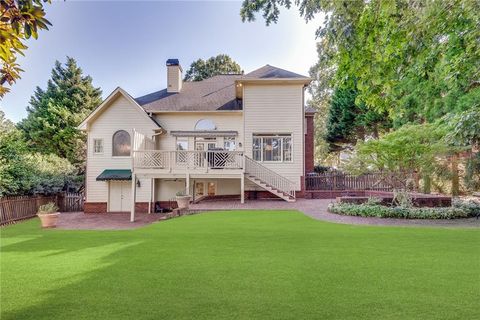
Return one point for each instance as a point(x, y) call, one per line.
point(183, 202)
point(49, 220)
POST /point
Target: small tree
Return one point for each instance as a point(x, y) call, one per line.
point(221, 64)
point(402, 153)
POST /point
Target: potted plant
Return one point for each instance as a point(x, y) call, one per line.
point(48, 214)
point(183, 200)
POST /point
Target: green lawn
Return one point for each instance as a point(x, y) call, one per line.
point(240, 265)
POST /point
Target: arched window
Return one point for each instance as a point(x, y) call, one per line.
point(121, 144)
point(205, 124)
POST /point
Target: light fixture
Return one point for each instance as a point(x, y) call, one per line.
point(138, 183)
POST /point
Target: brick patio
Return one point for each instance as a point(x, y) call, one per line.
point(104, 221)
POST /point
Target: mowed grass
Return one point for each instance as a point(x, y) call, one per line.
point(240, 265)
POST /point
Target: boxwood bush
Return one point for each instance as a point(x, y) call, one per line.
point(459, 209)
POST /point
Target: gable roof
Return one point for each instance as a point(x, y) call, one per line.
point(116, 93)
point(217, 93)
point(271, 72)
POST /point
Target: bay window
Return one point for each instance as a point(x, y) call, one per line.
point(272, 147)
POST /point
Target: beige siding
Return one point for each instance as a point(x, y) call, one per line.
point(120, 115)
point(166, 189)
point(276, 109)
point(186, 121)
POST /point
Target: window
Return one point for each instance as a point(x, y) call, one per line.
point(121, 144)
point(182, 145)
point(205, 125)
point(274, 148)
point(229, 143)
point(97, 146)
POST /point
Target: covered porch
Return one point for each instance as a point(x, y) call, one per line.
point(165, 187)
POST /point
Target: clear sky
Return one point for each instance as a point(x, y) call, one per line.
point(126, 44)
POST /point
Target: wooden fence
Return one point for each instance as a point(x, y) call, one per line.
point(343, 181)
point(22, 207)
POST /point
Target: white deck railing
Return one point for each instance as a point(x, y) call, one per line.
point(187, 160)
point(269, 177)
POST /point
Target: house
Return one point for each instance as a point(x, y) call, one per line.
point(244, 135)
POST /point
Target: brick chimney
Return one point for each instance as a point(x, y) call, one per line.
point(174, 76)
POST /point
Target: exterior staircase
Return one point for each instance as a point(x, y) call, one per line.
point(269, 180)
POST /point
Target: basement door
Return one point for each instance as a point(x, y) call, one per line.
point(120, 196)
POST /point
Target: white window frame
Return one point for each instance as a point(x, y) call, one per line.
point(273, 135)
point(177, 158)
point(113, 145)
point(230, 139)
point(95, 140)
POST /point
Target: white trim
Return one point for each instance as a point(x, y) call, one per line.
point(117, 92)
point(261, 136)
point(101, 145)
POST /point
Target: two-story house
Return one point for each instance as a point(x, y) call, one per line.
point(239, 135)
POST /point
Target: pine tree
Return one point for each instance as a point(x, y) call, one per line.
point(55, 113)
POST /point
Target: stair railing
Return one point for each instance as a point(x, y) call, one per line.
point(270, 177)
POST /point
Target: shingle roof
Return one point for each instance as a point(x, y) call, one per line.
point(271, 72)
point(213, 94)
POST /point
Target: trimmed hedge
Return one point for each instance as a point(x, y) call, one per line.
point(460, 209)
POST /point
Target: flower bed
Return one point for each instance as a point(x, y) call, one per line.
point(459, 209)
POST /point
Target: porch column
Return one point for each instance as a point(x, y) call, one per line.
point(152, 188)
point(134, 192)
point(242, 188)
point(187, 183)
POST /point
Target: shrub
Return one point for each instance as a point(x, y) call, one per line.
point(48, 208)
point(471, 206)
point(402, 198)
point(373, 201)
point(379, 211)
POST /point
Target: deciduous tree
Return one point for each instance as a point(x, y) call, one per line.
point(203, 69)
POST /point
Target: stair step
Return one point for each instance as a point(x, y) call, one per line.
point(271, 189)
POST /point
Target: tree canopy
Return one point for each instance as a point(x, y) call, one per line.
point(24, 172)
point(406, 65)
point(55, 112)
point(349, 120)
point(203, 69)
point(19, 21)
point(416, 60)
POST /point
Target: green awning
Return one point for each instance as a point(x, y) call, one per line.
point(115, 174)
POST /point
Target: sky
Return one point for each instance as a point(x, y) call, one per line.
point(126, 44)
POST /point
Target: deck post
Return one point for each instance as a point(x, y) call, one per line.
point(187, 183)
point(242, 188)
point(134, 191)
point(152, 187)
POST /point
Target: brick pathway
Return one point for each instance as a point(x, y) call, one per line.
point(315, 208)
